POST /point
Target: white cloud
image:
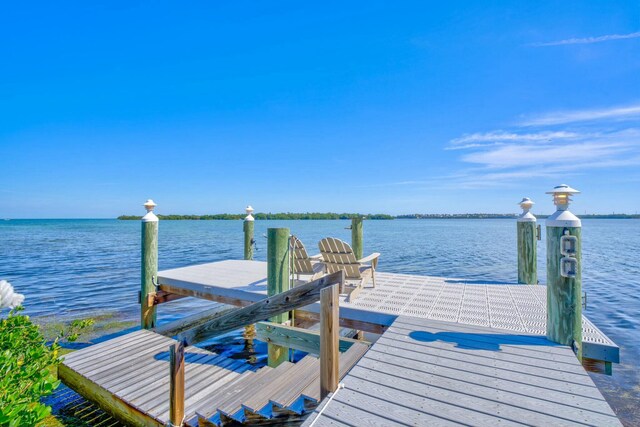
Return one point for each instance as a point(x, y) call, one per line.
point(512, 156)
point(631, 112)
point(588, 40)
point(494, 137)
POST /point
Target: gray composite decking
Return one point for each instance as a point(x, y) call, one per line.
point(428, 372)
point(520, 308)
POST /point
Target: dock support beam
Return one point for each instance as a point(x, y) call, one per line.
point(176, 384)
point(527, 245)
point(277, 282)
point(329, 340)
point(356, 236)
point(564, 279)
point(248, 226)
point(149, 266)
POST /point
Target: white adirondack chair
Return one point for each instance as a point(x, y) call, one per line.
point(304, 265)
point(338, 255)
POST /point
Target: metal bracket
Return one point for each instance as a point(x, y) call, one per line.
point(539, 232)
point(584, 300)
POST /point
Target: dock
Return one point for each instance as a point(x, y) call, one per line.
point(429, 372)
point(507, 306)
point(380, 348)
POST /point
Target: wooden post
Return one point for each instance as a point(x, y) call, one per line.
point(176, 384)
point(149, 266)
point(248, 226)
point(527, 245)
point(277, 282)
point(564, 285)
point(356, 236)
point(329, 340)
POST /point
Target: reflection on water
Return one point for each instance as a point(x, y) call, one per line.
point(72, 268)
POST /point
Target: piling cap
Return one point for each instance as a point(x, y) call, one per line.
point(526, 216)
point(563, 189)
point(149, 205)
point(249, 210)
point(562, 195)
point(526, 203)
point(562, 216)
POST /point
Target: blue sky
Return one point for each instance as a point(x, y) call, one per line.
point(395, 107)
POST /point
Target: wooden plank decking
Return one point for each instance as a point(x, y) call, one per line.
point(429, 372)
point(130, 374)
point(129, 377)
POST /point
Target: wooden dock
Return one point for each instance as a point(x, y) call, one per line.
point(504, 306)
point(429, 372)
point(451, 352)
point(130, 373)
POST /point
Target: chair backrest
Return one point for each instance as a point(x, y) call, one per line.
point(301, 260)
point(338, 255)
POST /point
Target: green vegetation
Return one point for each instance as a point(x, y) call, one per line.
point(262, 216)
point(28, 368)
point(330, 215)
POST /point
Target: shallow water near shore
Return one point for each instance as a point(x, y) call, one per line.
point(81, 268)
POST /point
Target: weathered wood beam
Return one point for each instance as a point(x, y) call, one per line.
point(371, 327)
point(160, 297)
point(268, 307)
point(296, 338)
point(105, 400)
point(176, 384)
point(177, 326)
point(329, 341)
point(210, 294)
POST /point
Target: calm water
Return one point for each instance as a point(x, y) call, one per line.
point(73, 268)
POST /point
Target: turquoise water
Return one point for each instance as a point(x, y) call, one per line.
point(75, 268)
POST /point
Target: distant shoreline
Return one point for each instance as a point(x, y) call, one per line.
point(344, 216)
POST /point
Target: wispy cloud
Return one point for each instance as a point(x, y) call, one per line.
point(588, 40)
point(594, 141)
point(500, 137)
point(512, 156)
point(618, 113)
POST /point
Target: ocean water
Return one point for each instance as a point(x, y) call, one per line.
point(79, 268)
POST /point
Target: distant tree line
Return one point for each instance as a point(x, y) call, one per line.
point(331, 215)
point(262, 216)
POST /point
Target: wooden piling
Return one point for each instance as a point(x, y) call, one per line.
point(176, 384)
point(248, 227)
point(356, 236)
point(329, 340)
point(564, 278)
point(527, 252)
point(149, 266)
point(564, 294)
point(277, 282)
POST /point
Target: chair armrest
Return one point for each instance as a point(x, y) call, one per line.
point(370, 258)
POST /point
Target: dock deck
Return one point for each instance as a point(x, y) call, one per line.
point(518, 308)
point(429, 372)
point(451, 352)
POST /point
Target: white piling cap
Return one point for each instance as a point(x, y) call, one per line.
point(149, 205)
point(563, 189)
point(249, 210)
point(526, 216)
point(561, 198)
point(526, 203)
